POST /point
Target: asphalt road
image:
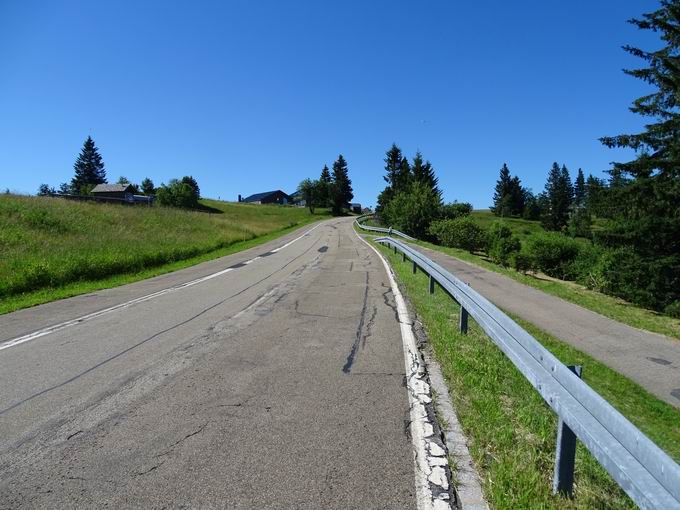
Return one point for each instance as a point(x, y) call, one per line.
point(276, 384)
point(651, 360)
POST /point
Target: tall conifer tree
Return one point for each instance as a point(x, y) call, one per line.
point(342, 193)
point(89, 167)
point(580, 189)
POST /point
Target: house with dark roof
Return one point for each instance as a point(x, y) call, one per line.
point(268, 197)
point(120, 191)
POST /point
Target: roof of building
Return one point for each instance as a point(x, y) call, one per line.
point(259, 196)
point(109, 188)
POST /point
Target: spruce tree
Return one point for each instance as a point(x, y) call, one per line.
point(517, 197)
point(324, 187)
point(342, 193)
point(423, 172)
point(398, 170)
point(501, 196)
point(558, 197)
point(147, 186)
point(89, 168)
point(580, 190)
point(644, 194)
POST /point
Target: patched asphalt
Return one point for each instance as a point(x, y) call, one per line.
point(276, 385)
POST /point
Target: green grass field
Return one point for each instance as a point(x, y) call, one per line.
point(511, 431)
point(52, 247)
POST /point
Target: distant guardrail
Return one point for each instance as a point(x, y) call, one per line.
point(645, 472)
point(389, 231)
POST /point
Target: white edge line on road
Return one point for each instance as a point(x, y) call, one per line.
point(63, 325)
point(430, 459)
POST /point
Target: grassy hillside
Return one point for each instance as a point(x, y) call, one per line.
point(520, 227)
point(48, 243)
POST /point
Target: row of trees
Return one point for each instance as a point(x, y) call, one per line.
point(89, 171)
point(637, 242)
point(329, 190)
point(412, 200)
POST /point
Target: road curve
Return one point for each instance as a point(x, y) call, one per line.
point(277, 384)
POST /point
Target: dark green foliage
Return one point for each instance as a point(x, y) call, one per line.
point(89, 167)
point(177, 194)
point(558, 198)
point(45, 190)
point(462, 233)
point(580, 223)
point(580, 189)
point(532, 206)
point(65, 189)
point(190, 181)
point(553, 254)
point(673, 310)
point(341, 188)
point(595, 196)
point(312, 193)
point(398, 176)
point(325, 181)
point(509, 196)
point(455, 210)
point(644, 193)
point(501, 244)
point(423, 172)
point(148, 187)
point(413, 210)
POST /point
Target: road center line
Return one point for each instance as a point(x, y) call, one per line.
point(73, 322)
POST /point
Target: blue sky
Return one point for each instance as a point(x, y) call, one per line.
point(248, 96)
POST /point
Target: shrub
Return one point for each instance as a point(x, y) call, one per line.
point(501, 244)
point(673, 310)
point(455, 210)
point(177, 194)
point(522, 261)
point(413, 211)
point(553, 254)
point(460, 233)
point(586, 267)
point(651, 283)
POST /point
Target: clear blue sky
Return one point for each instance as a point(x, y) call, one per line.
point(249, 96)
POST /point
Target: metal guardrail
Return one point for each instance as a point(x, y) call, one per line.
point(389, 231)
point(646, 473)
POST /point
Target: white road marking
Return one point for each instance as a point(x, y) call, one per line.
point(63, 325)
point(429, 457)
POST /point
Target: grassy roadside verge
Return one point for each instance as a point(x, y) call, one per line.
point(609, 306)
point(47, 294)
point(510, 429)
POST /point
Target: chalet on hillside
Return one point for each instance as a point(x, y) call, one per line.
point(268, 197)
point(120, 191)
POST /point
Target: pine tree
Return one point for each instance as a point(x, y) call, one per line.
point(517, 197)
point(423, 172)
point(325, 181)
point(397, 168)
point(147, 186)
point(558, 196)
point(580, 190)
point(89, 168)
point(342, 193)
point(501, 196)
point(644, 194)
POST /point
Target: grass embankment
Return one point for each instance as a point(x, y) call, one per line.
point(54, 248)
point(510, 428)
point(609, 306)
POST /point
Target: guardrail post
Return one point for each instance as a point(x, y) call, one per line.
point(463, 323)
point(395, 249)
point(565, 454)
point(403, 256)
point(415, 267)
point(431, 285)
